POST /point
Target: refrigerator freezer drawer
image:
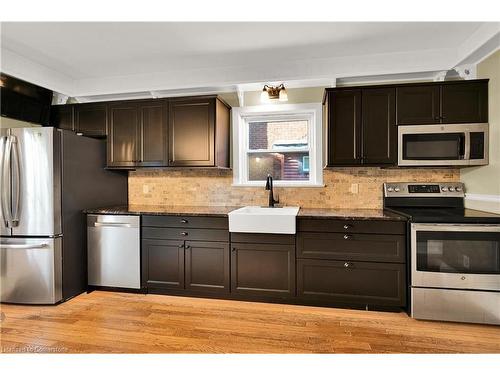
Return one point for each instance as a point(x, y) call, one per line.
point(31, 270)
point(114, 251)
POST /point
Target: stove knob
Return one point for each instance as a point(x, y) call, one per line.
point(451, 188)
point(390, 189)
point(458, 188)
point(444, 188)
point(396, 189)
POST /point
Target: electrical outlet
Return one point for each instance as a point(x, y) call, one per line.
point(145, 189)
point(354, 189)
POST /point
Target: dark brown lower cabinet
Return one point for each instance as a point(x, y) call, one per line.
point(263, 270)
point(163, 264)
point(363, 283)
point(352, 246)
point(207, 266)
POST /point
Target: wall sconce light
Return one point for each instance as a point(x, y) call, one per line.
point(274, 92)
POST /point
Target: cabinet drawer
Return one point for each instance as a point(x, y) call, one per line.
point(185, 221)
point(351, 226)
point(340, 246)
point(186, 234)
point(351, 282)
point(260, 238)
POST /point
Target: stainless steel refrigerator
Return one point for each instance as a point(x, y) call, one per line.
point(47, 178)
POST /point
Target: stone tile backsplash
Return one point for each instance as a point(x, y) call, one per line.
point(206, 187)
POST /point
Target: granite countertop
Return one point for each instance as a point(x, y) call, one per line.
point(348, 214)
point(222, 211)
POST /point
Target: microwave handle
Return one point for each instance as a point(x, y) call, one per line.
point(467, 146)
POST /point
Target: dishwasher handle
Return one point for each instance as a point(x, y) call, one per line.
point(115, 225)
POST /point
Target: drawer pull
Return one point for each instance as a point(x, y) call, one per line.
point(347, 226)
point(184, 221)
point(184, 233)
point(348, 264)
point(347, 237)
point(181, 246)
point(187, 247)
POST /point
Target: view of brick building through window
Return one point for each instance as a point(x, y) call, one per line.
point(278, 148)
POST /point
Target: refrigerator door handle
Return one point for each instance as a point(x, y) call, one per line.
point(16, 183)
point(6, 193)
point(3, 144)
point(24, 247)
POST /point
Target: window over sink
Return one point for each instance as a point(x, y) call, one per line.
point(281, 140)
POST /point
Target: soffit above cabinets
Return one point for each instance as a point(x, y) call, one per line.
point(101, 59)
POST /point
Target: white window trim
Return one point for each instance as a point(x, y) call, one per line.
point(242, 115)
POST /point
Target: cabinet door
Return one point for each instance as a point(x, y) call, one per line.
point(153, 130)
point(207, 266)
point(464, 102)
point(344, 128)
point(62, 117)
point(123, 138)
point(163, 264)
point(263, 270)
point(191, 132)
point(362, 283)
point(417, 105)
point(379, 126)
point(91, 119)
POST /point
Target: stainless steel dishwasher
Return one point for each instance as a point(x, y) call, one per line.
point(114, 251)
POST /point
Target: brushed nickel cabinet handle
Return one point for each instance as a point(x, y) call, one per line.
point(184, 221)
point(347, 226)
point(347, 237)
point(184, 233)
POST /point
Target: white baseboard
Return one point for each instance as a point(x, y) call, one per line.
point(483, 202)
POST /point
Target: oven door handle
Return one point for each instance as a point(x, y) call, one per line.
point(416, 227)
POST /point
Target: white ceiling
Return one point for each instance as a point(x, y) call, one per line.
point(89, 59)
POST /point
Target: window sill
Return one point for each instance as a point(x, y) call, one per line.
point(276, 184)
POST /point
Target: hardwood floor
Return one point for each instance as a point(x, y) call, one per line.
point(106, 322)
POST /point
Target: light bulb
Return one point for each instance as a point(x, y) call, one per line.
point(283, 97)
point(264, 96)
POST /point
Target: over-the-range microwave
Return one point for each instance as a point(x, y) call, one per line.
point(443, 145)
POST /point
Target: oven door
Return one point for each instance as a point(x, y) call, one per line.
point(443, 145)
point(455, 256)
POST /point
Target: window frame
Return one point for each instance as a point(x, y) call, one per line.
point(242, 116)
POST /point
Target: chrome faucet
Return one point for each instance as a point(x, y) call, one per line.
point(269, 186)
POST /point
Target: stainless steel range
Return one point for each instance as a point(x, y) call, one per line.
point(454, 253)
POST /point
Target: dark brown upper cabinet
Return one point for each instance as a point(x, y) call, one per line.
point(442, 103)
point(91, 119)
point(361, 122)
point(379, 129)
point(198, 131)
point(124, 135)
point(63, 116)
point(464, 102)
point(137, 135)
point(361, 127)
point(418, 105)
point(344, 127)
